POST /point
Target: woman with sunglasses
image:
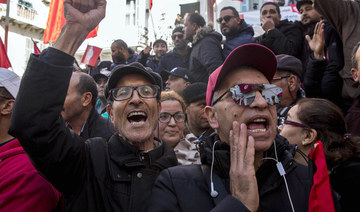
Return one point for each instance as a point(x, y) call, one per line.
point(312, 120)
point(172, 118)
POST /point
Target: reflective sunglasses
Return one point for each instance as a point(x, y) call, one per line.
point(244, 94)
point(166, 117)
point(180, 36)
point(126, 92)
point(226, 18)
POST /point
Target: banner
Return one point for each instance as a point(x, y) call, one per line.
point(56, 21)
point(91, 55)
point(4, 59)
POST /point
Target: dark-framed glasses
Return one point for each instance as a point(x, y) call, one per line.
point(295, 124)
point(244, 94)
point(180, 36)
point(126, 92)
point(226, 18)
point(280, 78)
point(166, 117)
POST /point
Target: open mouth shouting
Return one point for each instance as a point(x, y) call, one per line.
point(257, 126)
point(137, 118)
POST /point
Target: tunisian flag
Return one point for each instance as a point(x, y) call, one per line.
point(2, 1)
point(56, 21)
point(91, 55)
point(4, 59)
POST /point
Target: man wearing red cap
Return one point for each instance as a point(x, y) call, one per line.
point(245, 164)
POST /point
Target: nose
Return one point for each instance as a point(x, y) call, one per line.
point(259, 101)
point(135, 99)
point(172, 121)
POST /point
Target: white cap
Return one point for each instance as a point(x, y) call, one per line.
point(10, 81)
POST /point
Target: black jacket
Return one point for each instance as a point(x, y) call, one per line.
point(206, 54)
point(94, 175)
point(286, 38)
point(148, 61)
point(97, 126)
point(322, 78)
point(185, 187)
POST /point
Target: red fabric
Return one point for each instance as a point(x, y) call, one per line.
point(150, 4)
point(320, 195)
point(2, 1)
point(22, 188)
point(56, 21)
point(91, 55)
point(36, 49)
point(294, 8)
point(4, 59)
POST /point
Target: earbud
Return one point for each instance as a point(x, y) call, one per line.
point(213, 193)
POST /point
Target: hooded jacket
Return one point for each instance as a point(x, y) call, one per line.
point(243, 36)
point(22, 188)
point(185, 187)
point(285, 38)
point(206, 54)
point(93, 175)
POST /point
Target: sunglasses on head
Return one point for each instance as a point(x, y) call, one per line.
point(180, 36)
point(226, 18)
point(244, 94)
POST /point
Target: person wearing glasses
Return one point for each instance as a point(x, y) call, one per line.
point(206, 54)
point(171, 118)
point(288, 77)
point(281, 36)
point(246, 165)
point(235, 29)
point(314, 119)
point(179, 56)
point(96, 174)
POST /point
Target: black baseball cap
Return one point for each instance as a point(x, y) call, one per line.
point(290, 63)
point(177, 72)
point(300, 3)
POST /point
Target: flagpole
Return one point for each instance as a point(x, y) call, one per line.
point(7, 23)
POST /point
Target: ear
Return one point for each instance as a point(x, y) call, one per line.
point(6, 107)
point(310, 137)
point(187, 84)
point(109, 110)
point(212, 117)
point(86, 99)
point(292, 81)
point(355, 74)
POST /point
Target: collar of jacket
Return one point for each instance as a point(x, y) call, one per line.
point(244, 29)
point(85, 130)
point(267, 175)
point(124, 154)
point(204, 31)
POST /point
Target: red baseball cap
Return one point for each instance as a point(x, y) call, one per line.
point(253, 55)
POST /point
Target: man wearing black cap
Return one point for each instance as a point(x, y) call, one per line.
point(246, 166)
point(179, 56)
point(322, 57)
point(152, 61)
point(101, 81)
point(176, 80)
point(95, 175)
point(288, 77)
point(195, 99)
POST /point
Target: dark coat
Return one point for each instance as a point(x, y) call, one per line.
point(132, 58)
point(206, 54)
point(97, 126)
point(353, 118)
point(286, 38)
point(344, 178)
point(243, 36)
point(185, 189)
point(95, 175)
point(322, 77)
point(148, 61)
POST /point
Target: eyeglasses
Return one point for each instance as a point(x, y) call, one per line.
point(280, 78)
point(166, 117)
point(295, 124)
point(180, 36)
point(126, 92)
point(226, 18)
point(244, 94)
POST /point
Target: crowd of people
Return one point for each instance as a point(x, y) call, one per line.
point(225, 121)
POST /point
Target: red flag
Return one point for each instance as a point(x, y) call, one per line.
point(294, 8)
point(4, 59)
point(56, 21)
point(91, 55)
point(320, 195)
point(150, 4)
point(36, 49)
point(2, 1)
